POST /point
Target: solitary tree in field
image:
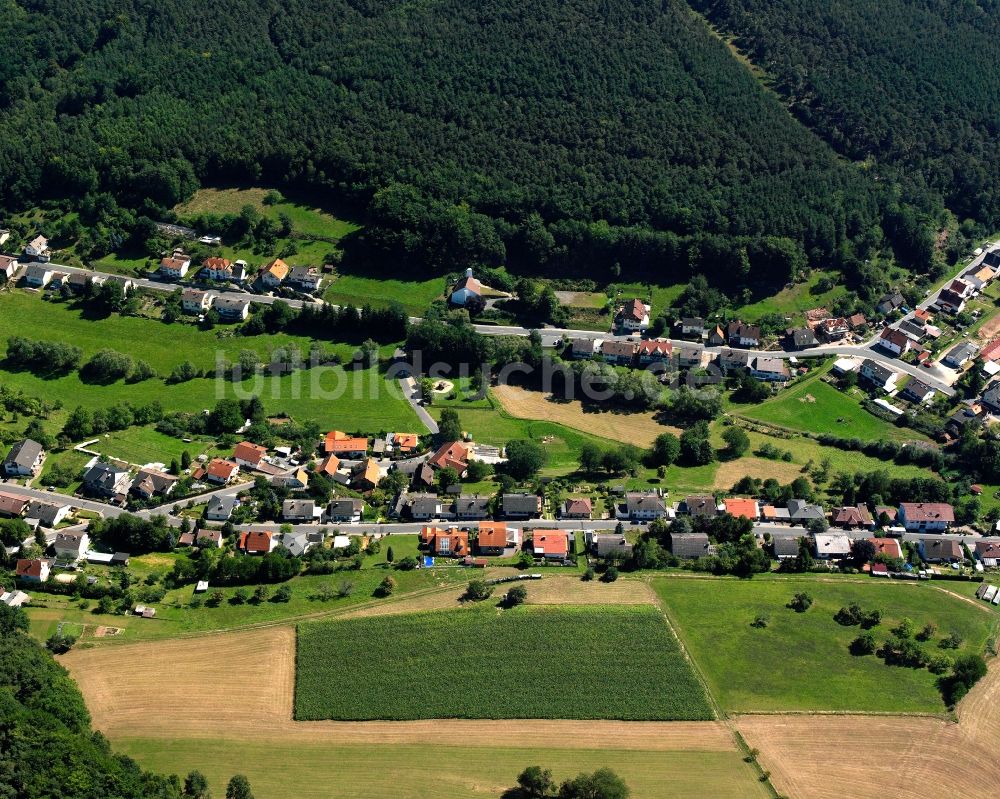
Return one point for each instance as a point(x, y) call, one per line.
point(239, 788)
point(515, 596)
point(478, 590)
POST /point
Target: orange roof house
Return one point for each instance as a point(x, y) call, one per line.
point(453, 455)
point(406, 442)
point(492, 537)
point(367, 477)
point(339, 443)
point(249, 454)
point(257, 542)
point(274, 272)
point(221, 471)
point(887, 546)
point(550, 543)
point(747, 508)
point(427, 534)
point(451, 543)
point(328, 465)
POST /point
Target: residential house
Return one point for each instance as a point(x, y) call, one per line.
point(149, 483)
point(834, 329)
point(12, 505)
point(70, 547)
point(887, 546)
point(404, 444)
point(258, 542)
point(495, 538)
point(300, 511)
point(107, 480)
point(747, 508)
point(853, 517)
point(305, 278)
point(834, 546)
point(963, 288)
point(345, 446)
point(915, 332)
point(939, 550)
point(990, 399)
point(802, 338)
point(521, 506)
point(273, 274)
point(450, 543)
point(329, 465)
point(887, 511)
point(692, 326)
point(249, 455)
point(472, 507)
point(689, 356)
point(858, 322)
point(550, 544)
point(689, 545)
point(452, 455)
point(656, 350)
point(733, 360)
point(47, 514)
point(801, 511)
point(917, 391)
point(878, 375)
point(466, 288)
point(576, 508)
point(215, 268)
point(785, 546)
point(421, 507)
point(35, 570)
point(231, 309)
point(890, 302)
point(584, 348)
point(769, 369)
point(739, 334)
point(716, 336)
point(926, 517)
point(610, 545)
point(78, 282)
point(959, 355)
point(950, 302)
point(991, 352)
point(219, 509)
point(294, 481)
point(701, 506)
point(345, 511)
point(8, 266)
point(771, 514)
point(645, 505)
point(894, 341)
point(221, 471)
point(634, 315)
point(988, 552)
point(423, 476)
point(298, 544)
point(195, 301)
point(38, 249)
point(38, 276)
point(366, 475)
point(174, 267)
point(618, 352)
point(24, 459)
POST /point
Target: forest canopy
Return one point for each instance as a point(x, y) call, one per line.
point(549, 136)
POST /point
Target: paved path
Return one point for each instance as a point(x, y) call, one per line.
point(412, 393)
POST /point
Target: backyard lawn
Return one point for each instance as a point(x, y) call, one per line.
point(801, 661)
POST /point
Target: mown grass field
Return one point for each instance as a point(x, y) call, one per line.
point(529, 662)
point(142, 445)
point(800, 661)
point(379, 292)
point(795, 301)
point(814, 406)
point(335, 397)
point(437, 768)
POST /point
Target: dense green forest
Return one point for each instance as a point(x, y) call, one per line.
point(47, 748)
point(551, 136)
point(912, 84)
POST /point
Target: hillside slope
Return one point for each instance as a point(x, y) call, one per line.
point(914, 85)
point(625, 111)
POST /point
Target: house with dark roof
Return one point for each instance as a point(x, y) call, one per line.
point(521, 506)
point(692, 326)
point(733, 360)
point(219, 509)
point(618, 352)
point(950, 301)
point(421, 507)
point(106, 480)
point(894, 341)
point(785, 546)
point(959, 355)
point(889, 302)
point(853, 517)
point(739, 334)
point(345, 510)
point(939, 550)
point(799, 510)
point(689, 545)
point(917, 391)
point(301, 511)
point(610, 545)
point(769, 369)
point(472, 507)
point(802, 338)
point(645, 505)
point(576, 508)
point(70, 546)
point(878, 375)
point(988, 552)
point(991, 398)
point(149, 483)
point(47, 514)
point(24, 459)
point(701, 506)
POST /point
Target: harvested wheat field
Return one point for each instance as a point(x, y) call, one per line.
point(639, 428)
point(730, 472)
point(829, 757)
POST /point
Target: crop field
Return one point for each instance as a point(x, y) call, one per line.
point(817, 407)
point(582, 662)
point(801, 661)
point(639, 428)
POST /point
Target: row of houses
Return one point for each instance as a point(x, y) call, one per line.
point(36, 512)
point(648, 352)
point(271, 275)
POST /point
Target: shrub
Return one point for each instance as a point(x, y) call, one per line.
point(610, 575)
point(864, 644)
point(801, 602)
point(515, 596)
point(588, 575)
point(478, 590)
point(760, 621)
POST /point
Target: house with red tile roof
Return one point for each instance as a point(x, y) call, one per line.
point(577, 508)
point(258, 542)
point(12, 504)
point(328, 465)
point(248, 454)
point(404, 443)
point(926, 516)
point(634, 315)
point(494, 537)
point(747, 508)
point(274, 273)
point(887, 546)
point(550, 544)
point(466, 288)
point(221, 471)
point(33, 569)
point(655, 350)
point(345, 446)
point(454, 455)
point(450, 543)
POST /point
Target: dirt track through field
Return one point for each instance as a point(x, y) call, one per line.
point(632, 428)
point(240, 686)
point(871, 757)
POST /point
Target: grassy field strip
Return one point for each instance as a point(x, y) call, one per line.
point(411, 660)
